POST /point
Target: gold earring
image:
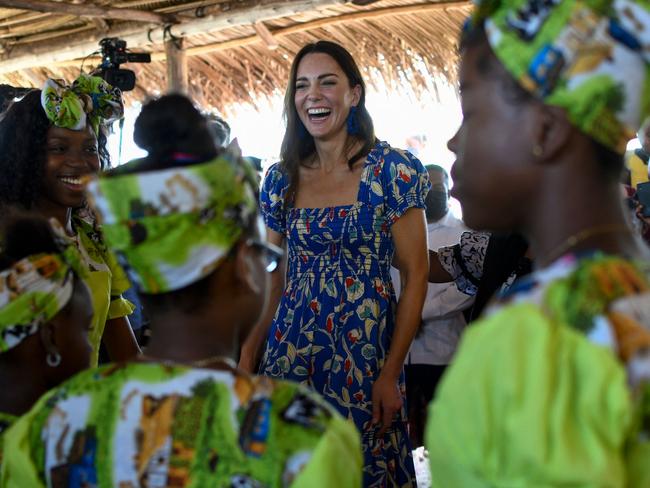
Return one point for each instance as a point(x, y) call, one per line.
point(537, 150)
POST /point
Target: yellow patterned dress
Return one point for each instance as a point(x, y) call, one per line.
point(552, 388)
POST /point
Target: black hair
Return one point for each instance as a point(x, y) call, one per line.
point(23, 146)
point(610, 162)
point(439, 169)
point(297, 145)
point(166, 127)
point(24, 235)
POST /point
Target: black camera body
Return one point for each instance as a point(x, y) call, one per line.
point(115, 53)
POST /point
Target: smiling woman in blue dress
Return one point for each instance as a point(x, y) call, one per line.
point(345, 205)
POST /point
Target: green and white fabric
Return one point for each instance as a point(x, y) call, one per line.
point(590, 57)
point(88, 99)
point(33, 290)
point(174, 226)
point(160, 425)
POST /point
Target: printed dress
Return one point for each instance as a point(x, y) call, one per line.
point(333, 327)
point(152, 425)
point(6, 421)
point(106, 280)
point(553, 387)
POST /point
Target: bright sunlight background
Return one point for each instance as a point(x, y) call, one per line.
point(422, 126)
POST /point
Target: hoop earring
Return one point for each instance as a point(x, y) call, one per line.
point(53, 359)
point(352, 122)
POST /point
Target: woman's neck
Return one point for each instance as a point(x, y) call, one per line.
point(187, 339)
point(51, 210)
point(333, 152)
point(19, 395)
point(563, 222)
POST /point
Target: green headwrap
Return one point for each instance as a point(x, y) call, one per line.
point(174, 226)
point(590, 57)
point(34, 290)
point(89, 98)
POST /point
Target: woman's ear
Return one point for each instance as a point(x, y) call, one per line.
point(356, 95)
point(47, 335)
point(551, 132)
point(245, 267)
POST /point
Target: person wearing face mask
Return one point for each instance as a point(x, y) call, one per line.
point(442, 314)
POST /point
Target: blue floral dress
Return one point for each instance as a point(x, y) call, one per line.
point(333, 327)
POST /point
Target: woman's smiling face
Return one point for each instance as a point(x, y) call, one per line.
point(323, 96)
point(70, 156)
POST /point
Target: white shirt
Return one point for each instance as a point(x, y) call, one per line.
point(442, 318)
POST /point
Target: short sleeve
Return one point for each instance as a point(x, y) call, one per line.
point(405, 182)
point(272, 195)
point(529, 402)
point(464, 261)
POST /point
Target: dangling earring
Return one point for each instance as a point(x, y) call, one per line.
point(352, 122)
point(302, 131)
point(53, 359)
point(537, 150)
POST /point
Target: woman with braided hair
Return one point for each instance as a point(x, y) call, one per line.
point(51, 140)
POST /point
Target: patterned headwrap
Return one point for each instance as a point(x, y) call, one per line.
point(89, 98)
point(173, 227)
point(590, 57)
point(35, 289)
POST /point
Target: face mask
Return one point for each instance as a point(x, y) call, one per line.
point(436, 205)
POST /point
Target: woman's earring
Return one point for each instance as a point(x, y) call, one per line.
point(53, 359)
point(537, 150)
point(302, 131)
point(352, 122)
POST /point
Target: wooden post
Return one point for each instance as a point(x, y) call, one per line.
point(176, 66)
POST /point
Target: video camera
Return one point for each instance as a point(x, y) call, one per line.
point(115, 53)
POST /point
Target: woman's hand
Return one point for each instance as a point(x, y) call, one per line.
point(386, 402)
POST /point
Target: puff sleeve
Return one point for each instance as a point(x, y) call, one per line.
point(405, 182)
point(272, 195)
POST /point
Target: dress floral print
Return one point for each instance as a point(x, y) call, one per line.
point(333, 327)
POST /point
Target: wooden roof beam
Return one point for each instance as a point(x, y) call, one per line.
point(88, 10)
point(79, 46)
point(266, 36)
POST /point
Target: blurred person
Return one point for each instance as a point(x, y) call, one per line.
point(344, 204)
point(50, 141)
point(442, 315)
point(45, 314)
point(185, 221)
point(551, 387)
point(637, 162)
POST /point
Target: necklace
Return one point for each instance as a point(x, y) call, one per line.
point(575, 239)
point(199, 363)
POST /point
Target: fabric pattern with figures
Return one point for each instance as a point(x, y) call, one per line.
point(333, 327)
point(156, 425)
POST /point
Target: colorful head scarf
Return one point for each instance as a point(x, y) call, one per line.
point(590, 57)
point(174, 226)
point(34, 290)
point(89, 98)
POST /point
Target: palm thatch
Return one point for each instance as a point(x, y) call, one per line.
point(406, 45)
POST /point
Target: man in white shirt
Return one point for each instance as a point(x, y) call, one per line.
point(442, 317)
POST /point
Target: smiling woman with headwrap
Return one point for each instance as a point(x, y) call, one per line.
point(552, 386)
point(50, 140)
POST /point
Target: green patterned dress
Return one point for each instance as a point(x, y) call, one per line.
point(145, 424)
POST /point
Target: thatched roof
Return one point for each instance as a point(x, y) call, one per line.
point(231, 57)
